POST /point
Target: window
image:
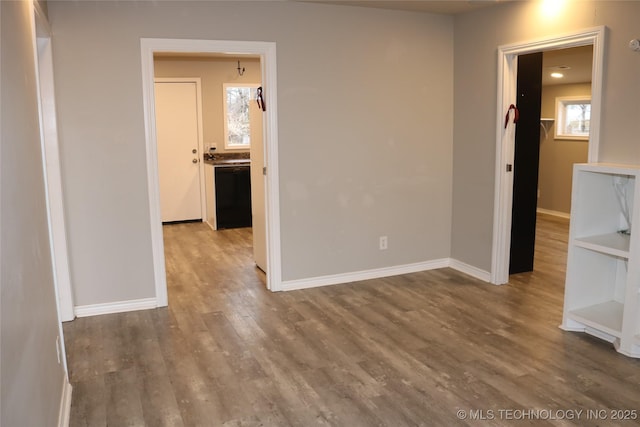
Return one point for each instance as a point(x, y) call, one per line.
point(236, 99)
point(573, 117)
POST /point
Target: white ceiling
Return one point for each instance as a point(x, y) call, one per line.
point(446, 7)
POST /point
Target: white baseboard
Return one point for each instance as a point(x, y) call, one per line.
point(554, 213)
point(472, 271)
point(115, 307)
point(64, 412)
point(357, 276)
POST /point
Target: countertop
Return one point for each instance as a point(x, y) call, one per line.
point(228, 159)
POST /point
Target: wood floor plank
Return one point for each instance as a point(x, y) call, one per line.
point(124, 407)
point(410, 350)
point(89, 402)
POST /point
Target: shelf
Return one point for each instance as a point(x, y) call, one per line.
point(615, 244)
point(610, 168)
point(543, 124)
point(605, 317)
point(602, 295)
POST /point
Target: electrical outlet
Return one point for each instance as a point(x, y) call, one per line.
point(383, 243)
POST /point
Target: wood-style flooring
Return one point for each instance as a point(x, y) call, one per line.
point(435, 348)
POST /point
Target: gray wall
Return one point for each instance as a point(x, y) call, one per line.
point(477, 36)
point(365, 133)
point(31, 378)
point(557, 156)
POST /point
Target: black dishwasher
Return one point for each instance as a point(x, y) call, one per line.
point(233, 196)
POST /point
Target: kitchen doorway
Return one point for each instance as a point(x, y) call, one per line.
point(507, 95)
point(266, 52)
point(225, 92)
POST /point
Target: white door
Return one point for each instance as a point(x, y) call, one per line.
point(179, 156)
point(257, 187)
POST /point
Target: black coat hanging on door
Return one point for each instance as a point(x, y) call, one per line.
point(260, 99)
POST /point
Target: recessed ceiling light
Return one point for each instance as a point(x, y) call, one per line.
point(557, 75)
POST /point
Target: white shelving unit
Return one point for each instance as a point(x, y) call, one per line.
point(602, 290)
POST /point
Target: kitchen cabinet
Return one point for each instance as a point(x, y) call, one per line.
point(233, 196)
point(228, 193)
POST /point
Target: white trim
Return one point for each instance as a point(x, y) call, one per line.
point(51, 163)
point(554, 213)
point(64, 412)
point(116, 307)
point(155, 217)
point(267, 52)
point(377, 273)
point(470, 270)
point(198, 83)
point(49, 147)
point(507, 79)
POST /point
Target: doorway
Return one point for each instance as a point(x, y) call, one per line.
point(266, 52)
point(224, 90)
point(552, 134)
point(505, 147)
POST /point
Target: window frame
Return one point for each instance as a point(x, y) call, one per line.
point(561, 104)
point(225, 114)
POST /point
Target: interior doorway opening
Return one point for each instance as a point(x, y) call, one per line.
point(552, 134)
point(266, 52)
point(505, 147)
point(217, 130)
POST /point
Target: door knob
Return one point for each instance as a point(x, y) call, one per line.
point(194, 160)
point(194, 151)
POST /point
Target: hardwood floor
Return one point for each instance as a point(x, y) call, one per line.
point(401, 351)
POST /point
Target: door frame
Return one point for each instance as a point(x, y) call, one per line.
point(507, 83)
point(50, 148)
point(198, 83)
point(267, 52)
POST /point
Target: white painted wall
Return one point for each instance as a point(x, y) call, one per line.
point(477, 36)
point(31, 377)
point(365, 133)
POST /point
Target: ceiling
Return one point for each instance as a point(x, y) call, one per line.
point(446, 7)
point(578, 59)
